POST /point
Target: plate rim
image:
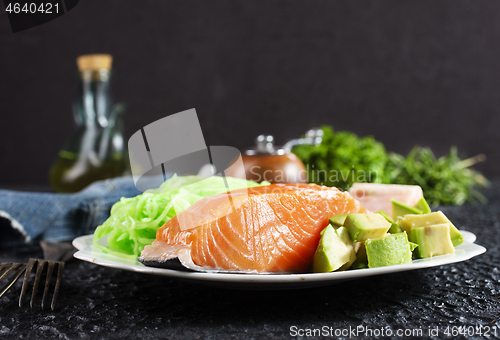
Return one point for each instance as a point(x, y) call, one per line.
point(86, 252)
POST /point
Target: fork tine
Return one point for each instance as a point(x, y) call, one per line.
point(40, 264)
point(9, 270)
point(39, 271)
point(4, 265)
point(13, 279)
point(58, 284)
point(50, 269)
point(31, 262)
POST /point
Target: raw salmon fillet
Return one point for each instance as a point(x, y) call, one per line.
point(273, 228)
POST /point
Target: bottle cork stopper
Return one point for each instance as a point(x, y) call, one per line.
point(94, 62)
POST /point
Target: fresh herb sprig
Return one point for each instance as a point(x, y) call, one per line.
point(344, 158)
point(444, 180)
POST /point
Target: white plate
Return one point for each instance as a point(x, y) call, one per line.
point(89, 253)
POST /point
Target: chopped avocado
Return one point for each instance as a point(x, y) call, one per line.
point(359, 265)
point(409, 222)
point(338, 220)
point(432, 240)
point(335, 251)
point(364, 226)
point(344, 236)
point(422, 205)
point(388, 250)
point(394, 229)
point(359, 248)
point(386, 215)
point(361, 260)
point(413, 246)
point(401, 209)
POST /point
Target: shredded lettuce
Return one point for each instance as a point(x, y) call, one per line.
point(134, 221)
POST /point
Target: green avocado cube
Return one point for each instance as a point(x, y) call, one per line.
point(338, 220)
point(361, 260)
point(432, 240)
point(364, 226)
point(409, 222)
point(346, 239)
point(386, 216)
point(401, 209)
point(422, 205)
point(394, 229)
point(359, 265)
point(387, 251)
point(335, 251)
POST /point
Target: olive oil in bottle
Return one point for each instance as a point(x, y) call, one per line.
point(97, 149)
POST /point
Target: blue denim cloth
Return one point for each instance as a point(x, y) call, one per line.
point(30, 217)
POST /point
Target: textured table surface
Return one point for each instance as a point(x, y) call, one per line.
point(102, 303)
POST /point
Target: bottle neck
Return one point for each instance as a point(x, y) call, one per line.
point(102, 74)
point(94, 98)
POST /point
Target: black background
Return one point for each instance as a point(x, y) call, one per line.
point(406, 72)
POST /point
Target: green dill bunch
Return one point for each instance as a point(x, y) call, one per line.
point(445, 181)
point(342, 159)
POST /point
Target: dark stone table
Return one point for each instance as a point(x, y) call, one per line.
point(102, 303)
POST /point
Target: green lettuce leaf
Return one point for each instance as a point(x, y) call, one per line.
point(134, 221)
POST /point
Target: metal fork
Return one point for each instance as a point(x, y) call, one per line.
point(6, 269)
point(40, 265)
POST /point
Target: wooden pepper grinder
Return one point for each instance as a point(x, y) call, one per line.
point(266, 162)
